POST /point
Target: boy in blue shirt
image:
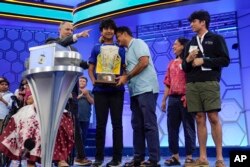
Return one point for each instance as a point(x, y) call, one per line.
point(108, 97)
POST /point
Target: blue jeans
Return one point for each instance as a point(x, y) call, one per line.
point(177, 114)
point(144, 124)
point(84, 126)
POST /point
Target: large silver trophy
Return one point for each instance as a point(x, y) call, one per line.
point(51, 72)
point(108, 65)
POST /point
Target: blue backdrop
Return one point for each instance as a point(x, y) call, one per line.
point(159, 29)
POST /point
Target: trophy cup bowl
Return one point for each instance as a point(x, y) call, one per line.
point(108, 65)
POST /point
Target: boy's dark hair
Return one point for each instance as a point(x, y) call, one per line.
point(82, 77)
point(2, 78)
point(123, 29)
point(5, 81)
point(108, 23)
point(201, 15)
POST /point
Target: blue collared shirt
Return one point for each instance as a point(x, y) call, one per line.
point(146, 81)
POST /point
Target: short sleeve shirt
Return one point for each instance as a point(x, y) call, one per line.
point(147, 80)
point(175, 78)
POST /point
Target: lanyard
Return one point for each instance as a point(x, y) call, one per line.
point(202, 50)
point(199, 41)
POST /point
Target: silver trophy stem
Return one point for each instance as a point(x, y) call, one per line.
point(51, 72)
point(51, 90)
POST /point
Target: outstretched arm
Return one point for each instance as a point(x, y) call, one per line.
point(69, 40)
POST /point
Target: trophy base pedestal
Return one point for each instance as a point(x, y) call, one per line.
point(105, 83)
point(105, 79)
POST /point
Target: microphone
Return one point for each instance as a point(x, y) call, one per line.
point(29, 144)
point(84, 65)
point(14, 98)
point(15, 105)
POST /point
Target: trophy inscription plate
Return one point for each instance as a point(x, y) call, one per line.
point(108, 65)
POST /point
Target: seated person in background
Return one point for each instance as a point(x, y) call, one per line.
point(5, 99)
point(2, 78)
point(27, 94)
point(20, 92)
point(25, 125)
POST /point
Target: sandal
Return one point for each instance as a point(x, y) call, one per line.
point(133, 163)
point(188, 161)
point(172, 162)
point(197, 163)
point(220, 163)
point(63, 163)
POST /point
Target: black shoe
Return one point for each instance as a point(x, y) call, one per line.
point(97, 163)
point(133, 163)
point(149, 164)
point(113, 163)
point(172, 162)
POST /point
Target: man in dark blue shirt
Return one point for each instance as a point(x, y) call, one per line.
point(85, 101)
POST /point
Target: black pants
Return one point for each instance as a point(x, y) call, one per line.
point(105, 102)
point(80, 154)
point(72, 106)
point(84, 126)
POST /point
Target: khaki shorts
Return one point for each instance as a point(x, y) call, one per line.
point(203, 96)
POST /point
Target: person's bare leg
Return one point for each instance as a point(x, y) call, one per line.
point(202, 134)
point(216, 133)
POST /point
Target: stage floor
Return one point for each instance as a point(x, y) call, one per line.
point(107, 159)
point(125, 159)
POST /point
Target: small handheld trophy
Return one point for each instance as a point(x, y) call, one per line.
point(108, 65)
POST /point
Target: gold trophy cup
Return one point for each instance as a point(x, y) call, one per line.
point(108, 65)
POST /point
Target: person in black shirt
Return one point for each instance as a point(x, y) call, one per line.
point(206, 54)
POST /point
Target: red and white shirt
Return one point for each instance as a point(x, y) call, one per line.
point(175, 78)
